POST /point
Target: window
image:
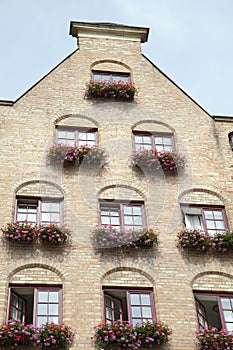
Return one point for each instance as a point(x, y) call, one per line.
point(110, 76)
point(120, 215)
point(78, 137)
point(214, 310)
point(230, 136)
point(211, 220)
point(39, 211)
point(134, 306)
point(160, 142)
point(35, 305)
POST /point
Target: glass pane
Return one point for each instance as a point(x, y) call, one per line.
point(46, 207)
point(147, 139)
point(138, 220)
point(137, 210)
point(136, 320)
point(43, 296)
point(127, 210)
point(41, 320)
point(117, 316)
point(61, 134)
point(136, 312)
point(226, 304)
point(218, 215)
point(158, 140)
point(42, 309)
point(115, 221)
point(145, 298)
point(55, 217)
point(210, 224)
point(167, 140)
point(228, 316)
point(220, 225)
point(134, 299)
point(14, 300)
point(128, 220)
point(13, 313)
point(108, 301)
point(45, 217)
point(229, 326)
point(53, 319)
point(53, 309)
point(53, 296)
point(146, 311)
point(159, 148)
point(138, 139)
point(168, 148)
point(147, 146)
point(55, 207)
point(105, 220)
point(108, 313)
point(21, 217)
point(208, 214)
point(114, 212)
point(31, 217)
point(117, 305)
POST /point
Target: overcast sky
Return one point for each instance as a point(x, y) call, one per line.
point(191, 41)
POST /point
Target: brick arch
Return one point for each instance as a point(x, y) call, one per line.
point(206, 190)
point(20, 185)
point(135, 189)
point(212, 281)
point(151, 121)
point(110, 61)
point(138, 271)
point(81, 116)
point(62, 274)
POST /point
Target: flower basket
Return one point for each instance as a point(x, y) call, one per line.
point(20, 232)
point(53, 234)
point(121, 335)
point(152, 160)
point(211, 338)
point(114, 90)
point(16, 335)
point(68, 156)
point(107, 237)
point(201, 241)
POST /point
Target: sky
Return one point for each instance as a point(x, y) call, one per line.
point(191, 41)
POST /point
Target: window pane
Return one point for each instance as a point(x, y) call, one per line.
point(55, 207)
point(41, 320)
point(53, 319)
point(53, 296)
point(137, 320)
point(128, 220)
point(53, 309)
point(55, 217)
point(108, 301)
point(147, 139)
point(42, 296)
point(209, 214)
point(138, 139)
point(146, 311)
point(114, 221)
point(158, 140)
point(108, 313)
point(167, 140)
point(218, 215)
point(220, 225)
point(137, 210)
point(145, 299)
point(138, 220)
point(105, 220)
point(42, 309)
point(31, 217)
point(136, 312)
point(210, 224)
point(134, 299)
point(228, 316)
point(226, 304)
point(229, 326)
point(127, 210)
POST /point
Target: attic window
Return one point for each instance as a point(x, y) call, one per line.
point(110, 76)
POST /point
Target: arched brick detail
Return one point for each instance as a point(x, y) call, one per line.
point(208, 191)
point(80, 116)
point(18, 186)
point(213, 281)
point(119, 63)
point(120, 184)
point(128, 269)
point(151, 121)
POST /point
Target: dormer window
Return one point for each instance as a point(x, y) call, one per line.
point(110, 76)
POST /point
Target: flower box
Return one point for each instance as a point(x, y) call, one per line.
point(201, 241)
point(107, 237)
point(17, 335)
point(211, 338)
point(60, 154)
point(113, 90)
point(152, 160)
point(53, 234)
point(23, 232)
point(122, 335)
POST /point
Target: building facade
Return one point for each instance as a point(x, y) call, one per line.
point(184, 288)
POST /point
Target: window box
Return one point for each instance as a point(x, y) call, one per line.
point(22, 232)
point(53, 234)
point(152, 160)
point(123, 91)
point(89, 155)
point(123, 335)
point(198, 240)
point(211, 338)
point(105, 237)
point(21, 335)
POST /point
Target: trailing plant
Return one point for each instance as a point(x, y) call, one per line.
point(14, 334)
point(52, 335)
point(118, 90)
point(53, 234)
point(211, 338)
point(20, 231)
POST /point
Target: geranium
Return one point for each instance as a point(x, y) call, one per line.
point(20, 231)
point(211, 338)
point(124, 335)
point(60, 154)
point(53, 234)
point(111, 89)
point(55, 336)
point(109, 237)
point(151, 159)
point(202, 241)
point(14, 334)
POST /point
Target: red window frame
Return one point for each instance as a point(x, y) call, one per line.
point(32, 308)
point(120, 208)
point(76, 131)
point(110, 76)
point(153, 136)
point(219, 298)
point(130, 310)
point(203, 210)
point(38, 203)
